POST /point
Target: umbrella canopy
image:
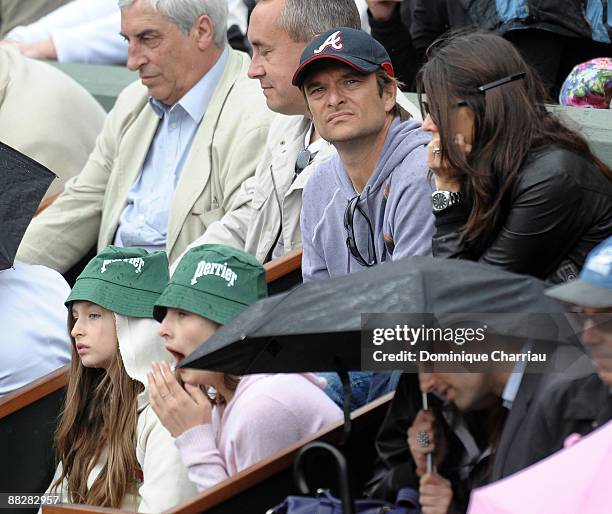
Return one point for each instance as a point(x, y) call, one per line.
point(24, 183)
point(576, 479)
point(317, 325)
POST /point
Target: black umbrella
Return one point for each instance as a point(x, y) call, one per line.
point(317, 325)
point(24, 183)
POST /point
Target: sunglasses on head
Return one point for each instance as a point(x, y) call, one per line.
point(425, 110)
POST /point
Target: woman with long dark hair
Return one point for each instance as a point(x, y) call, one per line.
point(515, 187)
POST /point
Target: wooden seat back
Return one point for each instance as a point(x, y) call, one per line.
point(285, 272)
point(28, 418)
point(265, 484)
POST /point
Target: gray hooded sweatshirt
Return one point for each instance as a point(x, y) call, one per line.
point(396, 199)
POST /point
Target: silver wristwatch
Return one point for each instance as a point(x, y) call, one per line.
point(441, 200)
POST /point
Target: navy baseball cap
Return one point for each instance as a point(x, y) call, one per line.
point(593, 288)
point(350, 46)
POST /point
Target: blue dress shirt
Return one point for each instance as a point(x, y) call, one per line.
point(144, 221)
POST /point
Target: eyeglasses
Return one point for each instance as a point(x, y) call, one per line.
point(425, 110)
point(481, 89)
point(349, 215)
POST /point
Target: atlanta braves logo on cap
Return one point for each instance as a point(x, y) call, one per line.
point(351, 47)
point(333, 41)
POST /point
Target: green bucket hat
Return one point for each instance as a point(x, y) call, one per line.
point(127, 281)
point(214, 281)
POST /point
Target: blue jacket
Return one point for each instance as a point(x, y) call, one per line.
point(578, 18)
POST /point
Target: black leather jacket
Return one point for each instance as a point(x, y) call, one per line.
point(560, 207)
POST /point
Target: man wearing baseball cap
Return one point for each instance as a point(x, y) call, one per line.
point(577, 406)
point(369, 203)
point(592, 293)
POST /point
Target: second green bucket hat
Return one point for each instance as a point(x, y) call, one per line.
point(127, 281)
point(214, 281)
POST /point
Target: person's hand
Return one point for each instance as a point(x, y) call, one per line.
point(446, 178)
point(435, 494)
point(178, 409)
point(382, 10)
point(10, 42)
point(424, 429)
point(39, 50)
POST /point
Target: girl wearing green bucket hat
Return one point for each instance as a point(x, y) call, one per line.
point(111, 448)
point(250, 417)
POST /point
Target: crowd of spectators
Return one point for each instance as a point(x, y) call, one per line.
point(258, 128)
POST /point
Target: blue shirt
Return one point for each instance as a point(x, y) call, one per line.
point(33, 320)
point(144, 221)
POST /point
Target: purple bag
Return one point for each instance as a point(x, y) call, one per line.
point(325, 503)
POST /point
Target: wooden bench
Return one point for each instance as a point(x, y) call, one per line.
point(285, 272)
point(265, 484)
point(45, 203)
point(28, 418)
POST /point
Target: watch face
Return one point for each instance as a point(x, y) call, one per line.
point(439, 201)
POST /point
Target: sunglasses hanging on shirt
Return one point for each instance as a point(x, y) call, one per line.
point(352, 209)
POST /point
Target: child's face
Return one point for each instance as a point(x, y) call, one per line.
point(94, 334)
point(184, 332)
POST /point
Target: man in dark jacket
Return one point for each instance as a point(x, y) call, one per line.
point(463, 458)
point(407, 28)
point(552, 36)
point(581, 405)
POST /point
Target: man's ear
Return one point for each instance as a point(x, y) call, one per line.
point(204, 31)
point(390, 96)
point(303, 90)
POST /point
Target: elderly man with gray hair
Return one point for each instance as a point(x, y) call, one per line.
point(175, 148)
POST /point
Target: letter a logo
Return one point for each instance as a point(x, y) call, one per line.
point(334, 41)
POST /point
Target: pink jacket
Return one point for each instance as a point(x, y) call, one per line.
point(267, 414)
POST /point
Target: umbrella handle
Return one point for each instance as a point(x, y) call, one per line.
point(346, 405)
point(429, 455)
point(348, 506)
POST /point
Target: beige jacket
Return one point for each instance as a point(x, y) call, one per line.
point(165, 481)
point(254, 221)
point(225, 152)
point(270, 198)
point(46, 115)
